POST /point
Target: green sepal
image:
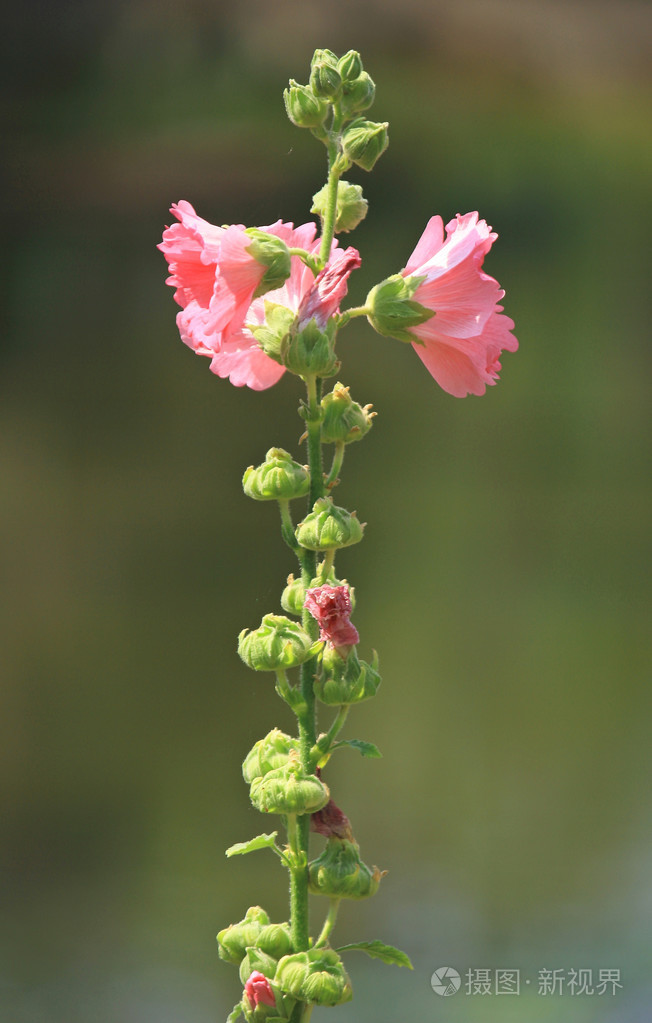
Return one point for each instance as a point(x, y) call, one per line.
point(276, 645)
point(255, 959)
point(235, 1014)
point(351, 207)
point(339, 873)
point(328, 527)
point(234, 940)
point(274, 254)
point(272, 334)
point(259, 842)
point(267, 754)
point(378, 950)
point(365, 749)
point(364, 142)
point(316, 976)
point(391, 310)
point(289, 790)
point(278, 478)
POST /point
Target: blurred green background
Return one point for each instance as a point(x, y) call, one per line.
point(505, 574)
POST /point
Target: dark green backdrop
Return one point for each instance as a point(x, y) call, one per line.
point(504, 578)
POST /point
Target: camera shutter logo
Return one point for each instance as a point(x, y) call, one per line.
point(445, 981)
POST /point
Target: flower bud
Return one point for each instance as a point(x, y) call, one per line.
point(289, 789)
point(316, 976)
point(345, 681)
point(267, 754)
point(325, 79)
point(391, 309)
point(328, 527)
point(258, 990)
point(233, 941)
point(272, 335)
point(340, 873)
point(264, 1002)
point(309, 349)
point(363, 142)
point(343, 419)
point(255, 961)
point(279, 478)
point(278, 643)
point(350, 66)
point(275, 940)
point(358, 95)
point(293, 596)
point(351, 207)
point(273, 253)
point(303, 107)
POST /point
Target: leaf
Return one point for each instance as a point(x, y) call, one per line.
point(378, 950)
point(235, 1013)
point(367, 749)
point(259, 842)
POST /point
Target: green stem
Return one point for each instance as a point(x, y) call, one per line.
point(350, 314)
point(313, 428)
point(327, 740)
point(338, 458)
point(326, 566)
point(329, 923)
point(334, 173)
point(287, 525)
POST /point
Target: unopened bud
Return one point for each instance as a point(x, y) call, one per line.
point(278, 478)
point(273, 253)
point(277, 644)
point(316, 976)
point(293, 596)
point(340, 873)
point(351, 207)
point(267, 754)
point(391, 309)
point(345, 681)
point(275, 940)
point(289, 789)
point(350, 66)
point(255, 961)
point(233, 941)
point(363, 142)
point(358, 95)
point(328, 527)
point(325, 79)
point(303, 107)
point(343, 419)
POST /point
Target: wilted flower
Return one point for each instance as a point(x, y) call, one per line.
point(331, 607)
point(447, 307)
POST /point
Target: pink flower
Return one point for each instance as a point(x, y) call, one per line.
point(331, 607)
point(216, 278)
point(258, 990)
point(462, 342)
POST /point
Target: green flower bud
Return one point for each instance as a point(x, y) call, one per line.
point(392, 309)
point(289, 789)
point(233, 941)
point(346, 681)
point(303, 107)
point(267, 754)
point(325, 79)
point(273, 334)
point(275, 940)
point(279, 478)
point(293, 596)
point(310, 350)
point(254, 959)
point(328, 527)
point(278, 643)
point(363, 142)
point(340, 873)
point(358, 95)
point(316, 976)
point(343, 419)
point(273, 253)
point(350, 66)
point(351, 207)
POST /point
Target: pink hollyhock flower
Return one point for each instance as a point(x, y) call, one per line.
point(331, 607)
point(461, 340)
point(258, 990)
point(216, 278)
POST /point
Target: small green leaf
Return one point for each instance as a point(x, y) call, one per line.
point(367, 749)
point(235, 1013)
point(377, 950)
point(259, 842)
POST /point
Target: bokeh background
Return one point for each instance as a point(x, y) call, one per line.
point(505, 575)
